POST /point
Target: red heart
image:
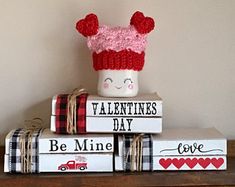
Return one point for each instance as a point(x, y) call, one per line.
point(88, 26)
point(204, 162)
point(136, 18)
point(165, 162)
point(178, 162)
point(217, 162)
point(142, 24)
point(191, 162)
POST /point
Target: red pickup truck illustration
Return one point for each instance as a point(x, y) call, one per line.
point(73, 165)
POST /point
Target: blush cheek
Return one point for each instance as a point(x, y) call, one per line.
point(106, 85)
point(130, 86)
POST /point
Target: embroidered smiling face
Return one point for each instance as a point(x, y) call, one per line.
point(116, 83)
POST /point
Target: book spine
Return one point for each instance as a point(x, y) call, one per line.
point(172, 163)
point(184, 147)
point(124, 108)
point(72, 163)
point(120, 108)
point(84, 144)
point(190, 147)
point(190, 163)
point(124, 125)
point(76, 162)
point(119, 125)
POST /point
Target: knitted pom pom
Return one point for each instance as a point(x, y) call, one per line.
point(141, 23)
point(88, 26)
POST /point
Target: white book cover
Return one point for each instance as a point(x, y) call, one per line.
point(72, 162)
point(119, 125)
point(186, 141)
point(176, 163)
point(147, 105)
point(50, 142)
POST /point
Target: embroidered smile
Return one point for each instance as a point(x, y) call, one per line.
point(118, 87)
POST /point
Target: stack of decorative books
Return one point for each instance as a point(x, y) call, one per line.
point(92, 149)
point(138, 145)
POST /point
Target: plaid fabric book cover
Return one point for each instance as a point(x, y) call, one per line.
point(147, 152)
point(61, 113)
point(15, 158)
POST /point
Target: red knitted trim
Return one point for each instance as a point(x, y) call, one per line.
point(118, 60)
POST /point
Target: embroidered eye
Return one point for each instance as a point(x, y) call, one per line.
point(128, 79)
point(108, 79)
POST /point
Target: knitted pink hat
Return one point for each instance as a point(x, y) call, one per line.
point(117, 48)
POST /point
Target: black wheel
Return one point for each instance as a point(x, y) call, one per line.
point(63, 168)
point(82, 168)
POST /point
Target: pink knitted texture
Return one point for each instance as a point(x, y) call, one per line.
point(117, 39)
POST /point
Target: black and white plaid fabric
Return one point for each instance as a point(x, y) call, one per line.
point(147, 152)
point(15, 162)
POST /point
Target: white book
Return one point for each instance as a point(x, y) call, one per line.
point(200, 141)
point(50, 142)
point(176, 163)
point(70, 153)
point(186, 142)
point(119, 125)
point(147, 105)
point(102, 162)
point(184, 149)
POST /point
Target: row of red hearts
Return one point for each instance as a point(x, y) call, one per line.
point(191, 162)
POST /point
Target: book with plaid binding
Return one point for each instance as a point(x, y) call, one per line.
point(23, 151)
point(61, 113)
point(36, 151)
point(175, 149)
point(95, 114)
point(138, 152)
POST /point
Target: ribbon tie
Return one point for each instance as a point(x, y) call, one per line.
point(71, 110)
point(26, 143)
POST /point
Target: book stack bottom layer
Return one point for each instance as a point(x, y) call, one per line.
point(70, 153)
point(184, 149)
point(174, 149)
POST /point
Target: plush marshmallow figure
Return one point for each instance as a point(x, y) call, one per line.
point(118, 53)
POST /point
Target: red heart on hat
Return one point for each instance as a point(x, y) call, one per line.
point(217, 162)
point(165, 162)
point(88, 26)
point(142, 24)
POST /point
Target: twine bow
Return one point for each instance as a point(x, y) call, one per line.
point(135, 152)
point(26, 139)
point(33, 124)
point(71, 110)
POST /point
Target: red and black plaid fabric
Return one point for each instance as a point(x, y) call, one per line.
point(61, 113)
